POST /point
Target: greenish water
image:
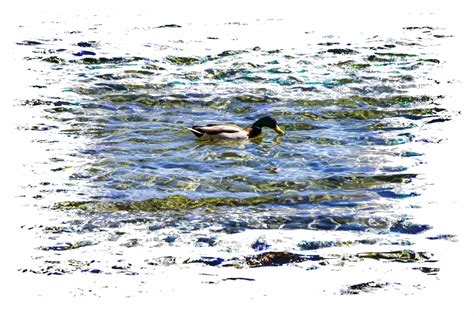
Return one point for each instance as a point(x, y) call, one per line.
point(341, 185)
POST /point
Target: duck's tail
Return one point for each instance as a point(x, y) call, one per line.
point(196, 132)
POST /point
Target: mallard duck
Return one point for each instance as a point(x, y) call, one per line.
point(230, 131)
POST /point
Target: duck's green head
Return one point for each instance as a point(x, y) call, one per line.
point(270, 122)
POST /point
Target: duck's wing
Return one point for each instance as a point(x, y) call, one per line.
point(214, 129)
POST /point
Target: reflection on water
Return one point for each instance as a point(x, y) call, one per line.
point(338, 189)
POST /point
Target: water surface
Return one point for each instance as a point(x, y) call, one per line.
point(124, 188)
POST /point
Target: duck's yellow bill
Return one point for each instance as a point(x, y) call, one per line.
point(279, 130)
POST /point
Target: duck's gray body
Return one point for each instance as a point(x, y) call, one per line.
point(220, 131)
point(234, 132)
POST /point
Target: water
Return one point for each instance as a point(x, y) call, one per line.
point(122, 188)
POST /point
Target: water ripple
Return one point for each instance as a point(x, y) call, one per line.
point(356, 116)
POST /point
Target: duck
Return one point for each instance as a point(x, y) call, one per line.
point(234, 132)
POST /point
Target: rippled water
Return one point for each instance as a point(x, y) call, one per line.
point(125, 188)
